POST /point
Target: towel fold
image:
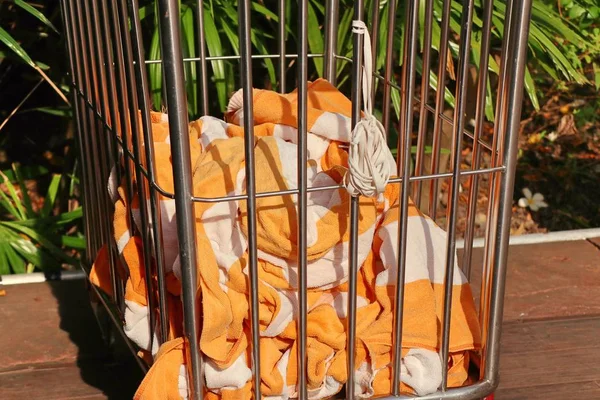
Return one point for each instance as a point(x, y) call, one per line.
point(225, 340)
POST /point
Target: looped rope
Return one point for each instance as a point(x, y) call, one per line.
point(369, 156)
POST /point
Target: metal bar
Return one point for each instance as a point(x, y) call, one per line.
point(335, 187)
point(124, 23)
point(331, 32)
point(512, 116)
point(281, 45)
point(97, 150)
point(475, 391)
point(482, 78)
point(246, 78)
point(182, 177)
point(302, 244)
point(422, 132)
point(104, 143)
point(358, 42)
point(143, 94)
point(439, 105)
point(75, 68)
point(202, 68)
point(452, 210)
point(389, 62)
point(233, 58)
point(492, 216)
point(91, 205)
point(122, 102)
point(118, 285)
point(404, 146)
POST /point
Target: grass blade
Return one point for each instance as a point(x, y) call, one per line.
point(12, 44)
point(37, 14)
point(24, 192)
point(315, 38)
point(73, 242)
point(44, 242)
point(51, 195)
point(16, 201)
point(4, 263)
point(155, 71)
point(215, 49)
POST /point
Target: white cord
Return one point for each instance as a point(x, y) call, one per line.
point(368, 156)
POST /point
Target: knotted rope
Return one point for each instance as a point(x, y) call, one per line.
point(368, 156)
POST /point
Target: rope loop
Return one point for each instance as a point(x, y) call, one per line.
point(370, 162)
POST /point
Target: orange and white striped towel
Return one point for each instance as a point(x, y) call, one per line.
point(219, 170)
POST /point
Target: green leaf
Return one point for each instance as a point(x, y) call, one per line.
point(37, 14)
point(45, 242)
point(16, 201)
point(60, 220)
point(73, 242)
point(315, 38)
point(57, 111)
point(146, 11)
point(155, 71)
point(24, 192)
point(8, 205)
point(530, 88)
point(17, 264)
point(255, 37)
point(51, 195)
point(215, 49)
point(596, 75)
point(4, 263)
point(265, 11)
point(12, 44)
point(189, 51)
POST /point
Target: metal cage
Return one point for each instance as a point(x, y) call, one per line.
point(109, 73)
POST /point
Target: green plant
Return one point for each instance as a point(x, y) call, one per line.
point(30, 238)
point(551, 37)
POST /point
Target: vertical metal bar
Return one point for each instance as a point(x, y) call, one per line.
point(404, 145)
point(331, 32)
point(357, 56)
point(493, 198)
point(452, 211)
point(122, 101)
point(439, 106)
point(182, 176)
point(124, 23)
point(281, 65)
point(86, 86)
point(143, 94)
point(302, 195)
point(104, 141)
point(389, 59)
point(74, 59)
point(512, 116)
point(425, 78)
point(118, 288)
point(479, 119)
point(120, 95)
point(202, 69)
point(246, 75)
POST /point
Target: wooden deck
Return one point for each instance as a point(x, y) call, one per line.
point(51, 348)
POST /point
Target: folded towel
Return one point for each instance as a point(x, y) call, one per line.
point(219, 170)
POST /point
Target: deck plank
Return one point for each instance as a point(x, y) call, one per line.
point(50, 321)
point(548, 280)
point(562, 354)
point(88, 380)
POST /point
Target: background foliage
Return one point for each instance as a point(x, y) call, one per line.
point(40, 216)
